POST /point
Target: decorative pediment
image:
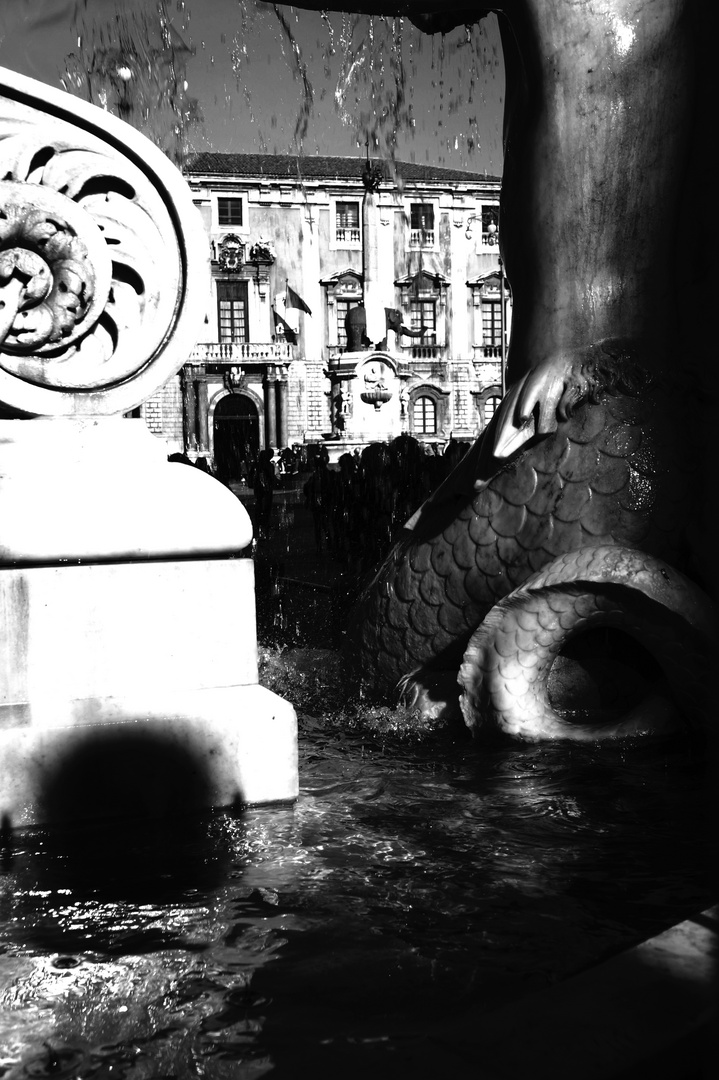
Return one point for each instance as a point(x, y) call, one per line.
point(423, 282)
point(104, 268)
point(490, 282)
point(344, 283)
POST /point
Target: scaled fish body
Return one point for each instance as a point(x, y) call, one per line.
point(614, 473)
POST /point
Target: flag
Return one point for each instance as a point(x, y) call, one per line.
point(290, 316)
point(296, 301)
point(289, 334)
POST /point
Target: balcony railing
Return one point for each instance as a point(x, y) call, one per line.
point(425, 352)
point(346, 235)
point(421, 238)
point(487, 352)
point(237, 352)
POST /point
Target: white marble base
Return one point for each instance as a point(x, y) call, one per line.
point(123, 681)
point(136, 758)
point(76, 490)
point(122, 630)
point(128, 647)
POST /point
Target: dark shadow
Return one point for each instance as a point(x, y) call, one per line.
point(124, 774)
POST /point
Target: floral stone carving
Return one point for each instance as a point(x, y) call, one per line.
point(103, 264)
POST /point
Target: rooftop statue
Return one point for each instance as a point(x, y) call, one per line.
point(581, 505)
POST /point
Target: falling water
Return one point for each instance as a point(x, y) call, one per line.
point(134, 64)
point(242, 76)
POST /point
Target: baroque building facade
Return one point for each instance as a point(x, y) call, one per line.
point(295, 245)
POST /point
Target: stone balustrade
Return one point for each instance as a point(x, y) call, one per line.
point(237, 352)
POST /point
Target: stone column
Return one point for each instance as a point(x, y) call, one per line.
point(270, 406)
point(189, 409)
point(282, 403)
point(373, 299)
point(203, 437)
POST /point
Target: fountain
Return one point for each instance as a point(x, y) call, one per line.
point(120, 694)
point(421, 909)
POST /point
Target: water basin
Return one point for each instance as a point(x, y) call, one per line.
point(417, 879)
point(412, 881)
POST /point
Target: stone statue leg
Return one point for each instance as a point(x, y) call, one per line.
point(597, 129)
point(598, 122)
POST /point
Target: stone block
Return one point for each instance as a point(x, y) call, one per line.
point(77, 633)
point(142, 757)
point(130, 689)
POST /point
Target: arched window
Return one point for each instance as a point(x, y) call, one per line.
point(424, 416)
point(490, 407)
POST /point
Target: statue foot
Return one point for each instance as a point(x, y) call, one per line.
point(559, 384)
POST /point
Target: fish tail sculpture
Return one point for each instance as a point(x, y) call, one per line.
point(615, 476)
point(600, 442)
point(505, 672)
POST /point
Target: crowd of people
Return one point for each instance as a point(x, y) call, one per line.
point(359, 507)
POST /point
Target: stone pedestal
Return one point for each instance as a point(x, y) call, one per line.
point(128, 652)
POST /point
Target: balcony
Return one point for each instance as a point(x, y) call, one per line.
point(239, 352)
point(421, 238)
point(345, 235)
point(424, 352)
point(487, 352)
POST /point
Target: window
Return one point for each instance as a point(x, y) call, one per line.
point(343, 306)
point(229, 211)
point(347, 223)
point(490, 225)
point(232, 310)
point(423, 313)
point(421, 224)
point(490, 407)
point(424, 416)
point(492, 322)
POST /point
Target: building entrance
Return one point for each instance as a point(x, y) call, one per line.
point(237, 437)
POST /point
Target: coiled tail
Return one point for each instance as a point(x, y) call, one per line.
point(505, 672)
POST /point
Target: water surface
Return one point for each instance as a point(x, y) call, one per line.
point(413, 881)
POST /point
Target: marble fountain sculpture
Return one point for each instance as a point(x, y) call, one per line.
point(128, 656)
point(584, 504)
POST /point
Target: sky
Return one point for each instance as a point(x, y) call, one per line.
point(273, 79)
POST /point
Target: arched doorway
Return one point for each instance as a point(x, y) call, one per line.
point(236, 428)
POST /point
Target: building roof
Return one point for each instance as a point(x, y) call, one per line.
point(292, 166)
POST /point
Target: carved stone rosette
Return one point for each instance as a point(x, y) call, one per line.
point(103, 263)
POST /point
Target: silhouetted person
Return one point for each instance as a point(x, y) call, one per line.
point(317, 497)
point(264, 484)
